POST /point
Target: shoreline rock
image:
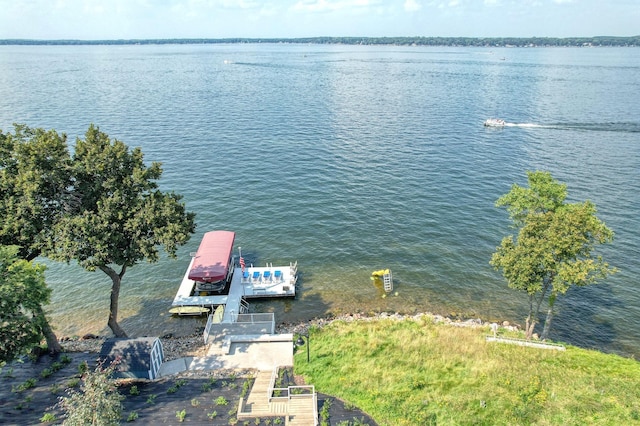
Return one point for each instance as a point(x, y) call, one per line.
point(193, 345)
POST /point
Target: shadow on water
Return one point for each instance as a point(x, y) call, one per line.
point(154, 320)
point(582, 319)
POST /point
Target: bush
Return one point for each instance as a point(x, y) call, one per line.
point(97, 402)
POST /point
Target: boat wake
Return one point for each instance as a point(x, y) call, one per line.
point(623, 127)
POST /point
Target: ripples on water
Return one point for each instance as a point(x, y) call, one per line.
point(351, 159)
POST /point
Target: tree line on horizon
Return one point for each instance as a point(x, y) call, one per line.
point(596, 41)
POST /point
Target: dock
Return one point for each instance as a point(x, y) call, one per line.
point(252, 283)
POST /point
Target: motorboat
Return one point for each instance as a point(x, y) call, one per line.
point(494, 122)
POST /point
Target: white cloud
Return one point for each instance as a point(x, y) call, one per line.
point(329, 6)
point(412, 6)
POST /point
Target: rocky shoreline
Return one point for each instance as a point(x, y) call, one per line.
point(193, 345)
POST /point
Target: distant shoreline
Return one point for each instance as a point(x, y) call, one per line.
point(597, 41)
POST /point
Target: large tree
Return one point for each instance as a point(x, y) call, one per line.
point(34, 178)
point(122, 217)
point(554, 246)
point(23, 292)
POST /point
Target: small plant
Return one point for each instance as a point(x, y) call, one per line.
point(324, 412)
point(267, 422)
point(233, 385)
point(349, 406)
point(56, 366)
point(257, 420)
point(72, 383)
point(134, 390)
point(180, 415)
point(195, 402)
point(181, 382)
point(83, 367)
point(9, 373)
point(54, 389)
point(245, 388)
point(212, 415)
point(46, 373)
point(27, 384)
point(65, 359)
point(206, 387)
point(151, 399)
point(221, 400)
point(277, 421)
point(172, 389)
point(133, 416)
point(47, 418)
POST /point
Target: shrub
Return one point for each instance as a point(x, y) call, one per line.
point(47, 418)
point(97, 402)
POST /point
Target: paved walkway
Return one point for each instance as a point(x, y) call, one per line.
point(258, 355)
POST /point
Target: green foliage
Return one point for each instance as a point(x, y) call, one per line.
point(34, 178)
point(27, 384)
point(83, 367)
point(180, 415)
point(133, 390)
point(48, 418)
point(22, 293)
point(466, 380)
point(554, 245)
point(212, 415)
point(221, 400)
point(72, 383)
point(151, 399)
point(195, 402)
point(132, 417)
point(97, 402)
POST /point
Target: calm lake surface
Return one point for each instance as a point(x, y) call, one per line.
point(350, 159)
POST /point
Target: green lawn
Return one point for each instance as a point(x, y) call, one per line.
point(418, 373)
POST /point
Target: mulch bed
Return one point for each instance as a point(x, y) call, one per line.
point(27, 392)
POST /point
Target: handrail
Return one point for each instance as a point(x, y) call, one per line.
point(207, 329)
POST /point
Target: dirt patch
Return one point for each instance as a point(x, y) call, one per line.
point(29, 389)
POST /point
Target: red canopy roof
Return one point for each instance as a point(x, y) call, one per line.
point(211, 262)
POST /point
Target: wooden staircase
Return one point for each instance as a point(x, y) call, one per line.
point(298, 410)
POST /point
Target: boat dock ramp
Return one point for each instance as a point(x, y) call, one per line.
point(254, 282)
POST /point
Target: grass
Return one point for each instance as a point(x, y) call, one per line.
point(417, 372)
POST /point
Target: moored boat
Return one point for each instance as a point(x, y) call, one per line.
point(494, 122)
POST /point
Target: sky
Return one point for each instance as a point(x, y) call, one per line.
point(145, 19)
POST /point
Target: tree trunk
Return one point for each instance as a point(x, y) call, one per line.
point(115, 294)
point(550, 313)
point(547, 324)
point(53, 346)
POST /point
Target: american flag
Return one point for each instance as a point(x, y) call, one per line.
point(242, 263)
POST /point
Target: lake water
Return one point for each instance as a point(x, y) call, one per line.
point(350, 159)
